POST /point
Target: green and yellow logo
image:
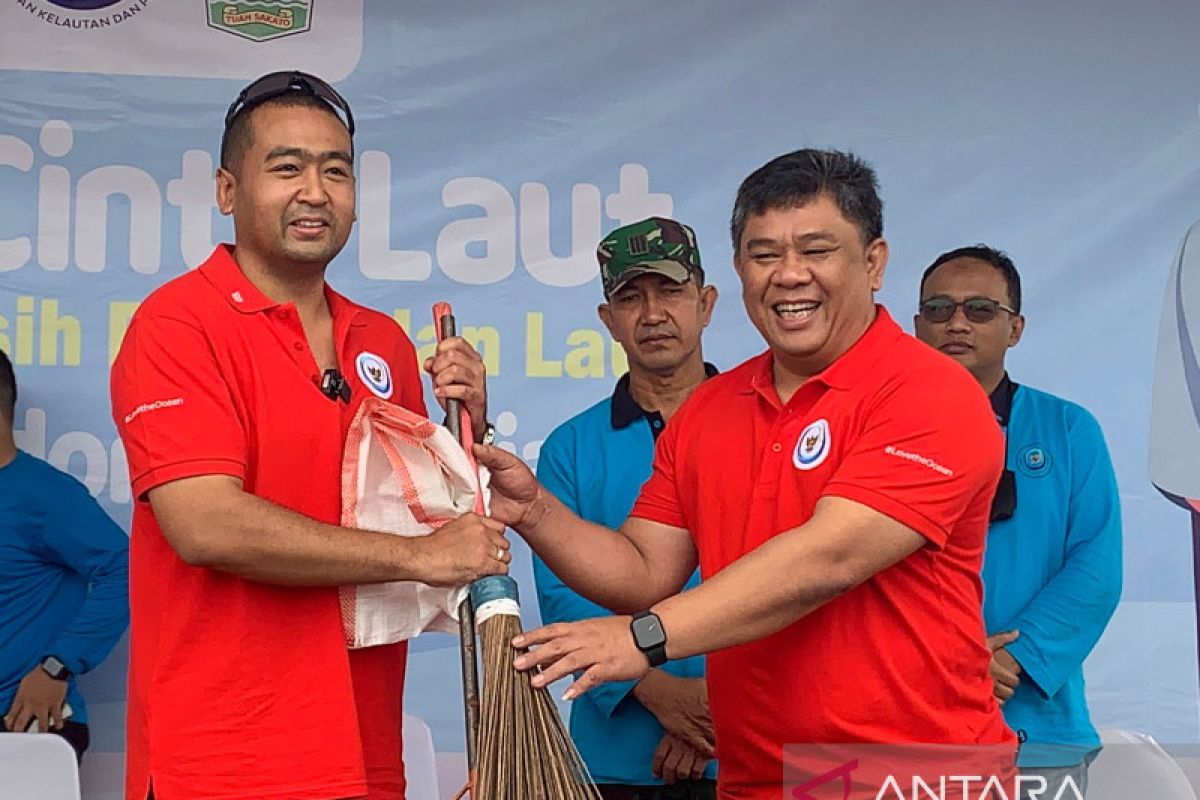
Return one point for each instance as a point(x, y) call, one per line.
point(259, 20)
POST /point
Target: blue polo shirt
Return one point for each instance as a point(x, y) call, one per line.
point(596, 463)
point(64, 577)
point(1053, 570)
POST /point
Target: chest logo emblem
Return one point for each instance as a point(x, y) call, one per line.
point(375, 373)
point(1035, 461)
point(813, 445)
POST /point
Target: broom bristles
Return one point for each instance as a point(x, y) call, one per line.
point(525, 751)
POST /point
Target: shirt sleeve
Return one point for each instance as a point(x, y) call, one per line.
point(83, 538)
point(659, 499)
point(556, 601)
point(1063, 622)
point(408, 375)
point(172, 405)
point(926, 451)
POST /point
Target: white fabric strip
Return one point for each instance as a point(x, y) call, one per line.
point(492, 608)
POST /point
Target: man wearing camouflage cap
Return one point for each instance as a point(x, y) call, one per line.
point(636, 736)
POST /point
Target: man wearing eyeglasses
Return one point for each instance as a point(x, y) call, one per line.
point(233, 392)
point(1052, 565)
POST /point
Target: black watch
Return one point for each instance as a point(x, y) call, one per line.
point(55, 668)
point(649, 636)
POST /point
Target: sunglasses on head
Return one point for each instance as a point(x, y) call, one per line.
point(941, 308)
point(280, 83)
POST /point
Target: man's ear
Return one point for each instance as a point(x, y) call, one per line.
point(708, 301)
point(226, 184)
point(605, 313)
point(1018, 329)
point(877, 258)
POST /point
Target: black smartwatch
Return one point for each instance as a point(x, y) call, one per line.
point(649, 636)
point(55, 668)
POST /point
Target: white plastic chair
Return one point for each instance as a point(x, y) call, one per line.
point(420, 760)
point(37, 765)
point(1133, 765)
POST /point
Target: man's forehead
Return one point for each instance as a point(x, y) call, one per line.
point(308, 155)
point(275, 126)
point(817, 216)
point(795, 236)
point(965, 272)
point(654, 279)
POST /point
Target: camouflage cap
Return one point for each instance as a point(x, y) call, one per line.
point(655, 245)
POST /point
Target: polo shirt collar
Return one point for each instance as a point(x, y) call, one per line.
point(626, 411)
point(340, 306)
point(1002, 399)
point(223, 271)
point(847, 368)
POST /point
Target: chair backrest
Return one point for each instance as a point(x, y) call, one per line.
point(1134, 765)
point(420, 760)
point(37, 765)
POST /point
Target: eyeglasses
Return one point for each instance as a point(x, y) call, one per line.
point(281, 83)
point(941, 308)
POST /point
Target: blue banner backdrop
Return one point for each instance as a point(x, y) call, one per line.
point(498, 141)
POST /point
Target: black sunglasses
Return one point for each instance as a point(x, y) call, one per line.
point(281, 83)
point(941, 308)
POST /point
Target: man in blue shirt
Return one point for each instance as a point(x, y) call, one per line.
point(64, 576)
point(651, 739)
point(1052, 566)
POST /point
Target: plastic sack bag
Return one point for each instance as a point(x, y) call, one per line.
point(401, 474)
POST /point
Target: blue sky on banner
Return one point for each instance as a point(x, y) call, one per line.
point(496, 145)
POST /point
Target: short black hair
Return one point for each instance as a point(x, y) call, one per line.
point(8, 389)
point(797, 178)
point(239, 136)
point(997, 258)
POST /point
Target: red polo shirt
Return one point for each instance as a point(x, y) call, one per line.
point(236, 688)
point(896, 426)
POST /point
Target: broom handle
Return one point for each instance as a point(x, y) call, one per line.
point(455, 417)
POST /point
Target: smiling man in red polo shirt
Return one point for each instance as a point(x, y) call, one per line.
point(232, 392)
point(834, 491)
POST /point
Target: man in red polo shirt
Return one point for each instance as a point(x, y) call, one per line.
point(834, 491)
point(232, 392)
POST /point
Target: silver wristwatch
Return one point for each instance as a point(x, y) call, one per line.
point(55, 668)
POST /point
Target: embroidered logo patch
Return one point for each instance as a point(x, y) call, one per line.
point(812, 446)
point(375, 373)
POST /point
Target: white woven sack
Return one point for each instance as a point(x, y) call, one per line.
point(406, 475)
